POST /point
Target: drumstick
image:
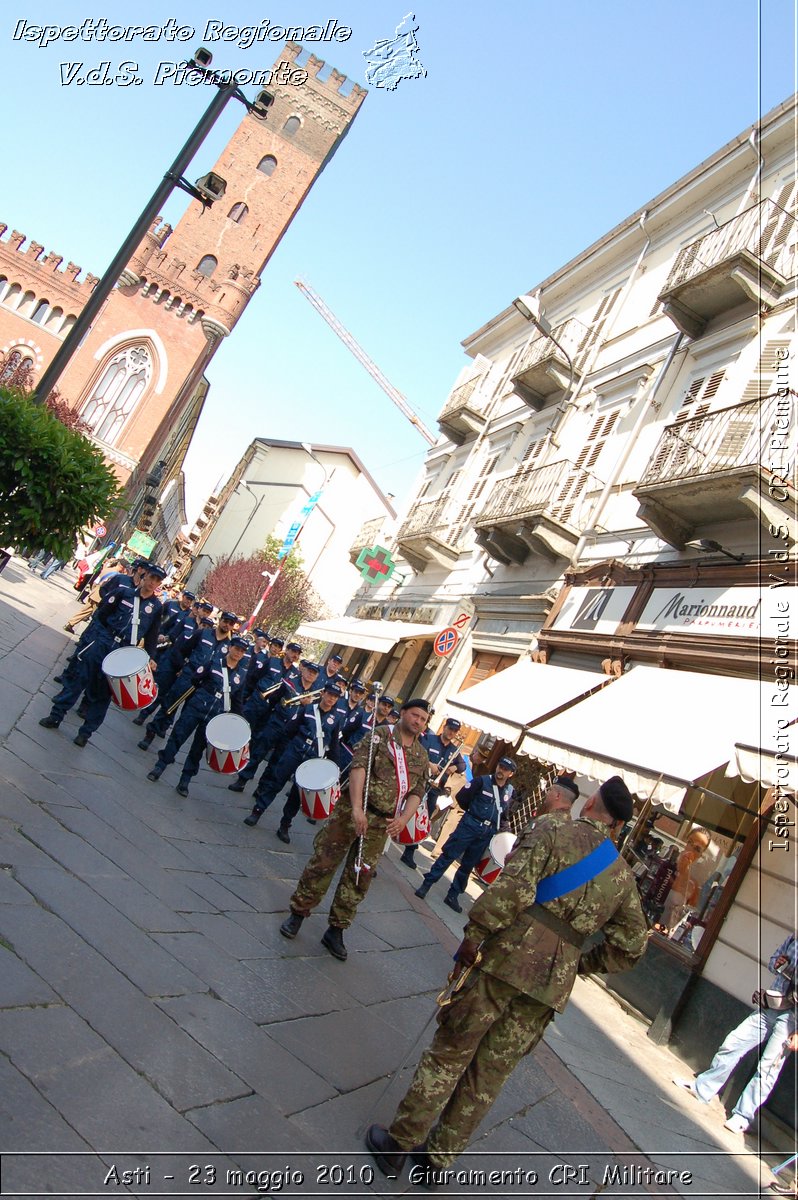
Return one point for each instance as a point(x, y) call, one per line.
point(180, 700)
point(376, 688)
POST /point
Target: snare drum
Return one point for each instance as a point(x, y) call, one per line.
point(228, 737)
point(490, 867)
point(319, 787)
point(127, 670)
point(417, 828)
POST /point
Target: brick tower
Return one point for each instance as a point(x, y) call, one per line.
point(137, 372)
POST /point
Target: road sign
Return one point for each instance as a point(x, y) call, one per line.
point(446, 641)
point(100, 531)
point(461, 621)
point(141, 543)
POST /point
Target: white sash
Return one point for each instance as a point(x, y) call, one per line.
point(498, 800)
point(225, 690)
point(134, 624)
point(319, 733)
point(397, 753)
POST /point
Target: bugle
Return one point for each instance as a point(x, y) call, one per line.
point(301, 698)
point(456, 744)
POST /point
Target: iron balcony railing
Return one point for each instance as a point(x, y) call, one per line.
point(571, 335)
point(368, 533)
point(463, 397)
point(554, 490)
point(431, 518)
point(766, 231)
point(759, 432)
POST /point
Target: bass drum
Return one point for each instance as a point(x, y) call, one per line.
point(319, 787)
point(227, 749)
point(501, 846)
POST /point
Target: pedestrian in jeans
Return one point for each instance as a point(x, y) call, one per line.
point(775, 1026)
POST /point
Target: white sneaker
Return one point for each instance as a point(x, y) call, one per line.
point(687, 1084)
point(736, 1124)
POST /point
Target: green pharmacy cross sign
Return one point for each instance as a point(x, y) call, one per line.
point(375, 564)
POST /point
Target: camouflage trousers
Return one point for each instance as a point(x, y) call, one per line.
point(481, 1037)
point(335, 841)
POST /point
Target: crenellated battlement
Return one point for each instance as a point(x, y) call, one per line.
point(14, 252)
point(334, 82)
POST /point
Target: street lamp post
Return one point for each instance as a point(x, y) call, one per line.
point(172, 179)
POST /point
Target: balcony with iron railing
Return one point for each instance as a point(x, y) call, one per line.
point(751, 257)
point(724, 466)
point(543, 369)
point(430, 533)
point(536, 510)
point(463, 415)
point(367, 535)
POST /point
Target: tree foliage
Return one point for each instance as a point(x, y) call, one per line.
point(237, 584)
point(53, 481)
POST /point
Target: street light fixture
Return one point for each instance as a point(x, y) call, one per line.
point(207, 189)
point(708, 546)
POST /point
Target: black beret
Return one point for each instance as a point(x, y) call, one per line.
point(565, 781)
point(616, 798)
point(417, 702)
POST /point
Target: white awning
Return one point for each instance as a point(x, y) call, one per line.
point(512, 699)
point(661, 730)
point(365, 635)
point(767, 767)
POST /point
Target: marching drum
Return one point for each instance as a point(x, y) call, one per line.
point(228, 737)
point(490, 868)
point(127, 670)
point(319, 789)
point(417, 828)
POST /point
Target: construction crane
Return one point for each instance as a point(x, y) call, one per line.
point(363, 358)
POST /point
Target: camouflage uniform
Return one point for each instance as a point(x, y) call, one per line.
point(525, 976)
point(337, 837)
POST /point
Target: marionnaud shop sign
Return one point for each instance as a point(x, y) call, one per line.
point(735, 612)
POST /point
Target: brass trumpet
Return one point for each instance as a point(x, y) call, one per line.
point(268, 691)
point(455, 745)
point(299, 699)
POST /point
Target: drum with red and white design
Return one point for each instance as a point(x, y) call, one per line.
point(227, 749)
point(319, 787)
point(501, 846)
point(127, 670)
point(416, 829)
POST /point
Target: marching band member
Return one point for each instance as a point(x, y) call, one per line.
point(272, 721)
point(445, 760)
point(258, 662)
point(485, 800)
point(125, 616)
point(357, 828)
point(219, 687)
point(316, 734)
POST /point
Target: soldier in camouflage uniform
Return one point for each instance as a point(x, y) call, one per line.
point(530, 957)
point(339, 836)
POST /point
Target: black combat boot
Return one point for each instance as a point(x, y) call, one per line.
point(146, 741)
point(237, 785)
point(182, 785)
point(408, 857)
point(283, 834)
point(156, 772)
point(334, 941)
point(422, 891)
point(254, 816)
point(450, 899)
point(291, 925)
point(50, 722)
point(388, 1154)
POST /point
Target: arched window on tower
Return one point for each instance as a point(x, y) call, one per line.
point(207, 265)
point(117, 392)
point(291, 126)
point(267, 164)
point(41, 312)
point(17, 370)
point(12, 295)
point(238, 213)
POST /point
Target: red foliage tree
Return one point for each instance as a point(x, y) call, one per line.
point(16, 373)
point(237, 584)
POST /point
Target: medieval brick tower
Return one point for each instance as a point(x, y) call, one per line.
point(136, 376)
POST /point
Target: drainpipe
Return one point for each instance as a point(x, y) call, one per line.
point(752, 191)
point(615, 473)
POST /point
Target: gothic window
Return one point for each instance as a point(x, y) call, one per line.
point(291, 126)
point(267, 164)
point(207, 265)
point(41, 312)
point(238, 213)
point(117, 392)
point(16, 370)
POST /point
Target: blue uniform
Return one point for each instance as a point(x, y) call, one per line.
point(202, 649)
point(207, 701)
point(354, 726)
point(273, 724)
point(111, 627)
point(486, 805)
point(303, 745)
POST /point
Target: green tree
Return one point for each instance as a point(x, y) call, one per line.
point(53, 481)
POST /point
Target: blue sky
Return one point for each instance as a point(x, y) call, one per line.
point(537, 128)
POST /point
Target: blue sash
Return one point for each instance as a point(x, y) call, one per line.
point(571, 878)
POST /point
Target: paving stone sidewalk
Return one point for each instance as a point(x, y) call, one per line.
point(159, 1037)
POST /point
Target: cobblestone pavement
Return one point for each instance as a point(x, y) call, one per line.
point(159, 1036)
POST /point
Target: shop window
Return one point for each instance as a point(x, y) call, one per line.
point(117, 392)
point(207, 265)
point(267, 164)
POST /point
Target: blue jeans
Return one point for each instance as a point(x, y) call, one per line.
point(763, 1025)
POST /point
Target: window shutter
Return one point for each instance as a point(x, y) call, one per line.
point(532, 452)
point(596, 326)
point(589, 454)
point(764, 380)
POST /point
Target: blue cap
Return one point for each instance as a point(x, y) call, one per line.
point(227, 616)
point(190, 595)
point(260, 633)
point(310, 666)
point(241, 642)
point(334, 688)
point(154, 569)
point(507, 763)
